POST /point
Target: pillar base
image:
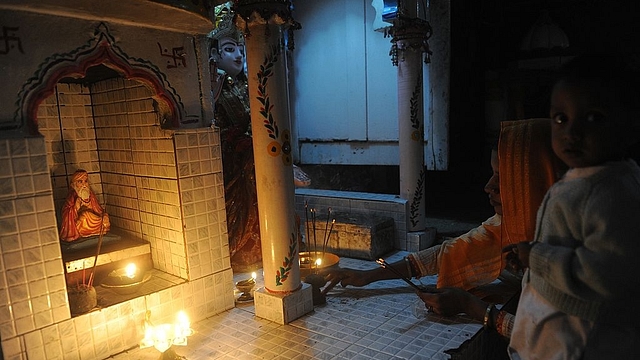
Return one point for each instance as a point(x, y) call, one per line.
point(420, 240)
point(283, 308)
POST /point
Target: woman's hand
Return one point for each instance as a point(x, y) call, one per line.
point(518, 255)
point(452, 301)
point(345, 276)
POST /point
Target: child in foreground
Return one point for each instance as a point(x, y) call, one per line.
point(580, 291)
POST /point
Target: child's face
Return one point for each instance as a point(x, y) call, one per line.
point(586, 131)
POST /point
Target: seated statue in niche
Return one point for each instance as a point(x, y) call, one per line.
point(233, 117)
point(82, 215)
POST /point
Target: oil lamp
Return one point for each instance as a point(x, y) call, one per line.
point(126, 280)
point(130, 270)
point(246, 287)
point(162, 337)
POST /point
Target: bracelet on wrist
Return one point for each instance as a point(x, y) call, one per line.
point(499, 325)
point(486, 321)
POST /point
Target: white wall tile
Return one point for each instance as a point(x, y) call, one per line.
point(24, 325)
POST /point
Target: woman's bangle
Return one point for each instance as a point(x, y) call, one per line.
point(499, 325)
point(487, 316)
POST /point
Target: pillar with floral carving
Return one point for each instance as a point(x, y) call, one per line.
point(265, 24)
point(409, 47)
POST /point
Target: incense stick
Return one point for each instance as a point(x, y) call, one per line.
point(313, 228)
point(306, 223)
point(326, 241)
point(315, 243)
point(95, 260)
point(326, 227)
point(386, 265)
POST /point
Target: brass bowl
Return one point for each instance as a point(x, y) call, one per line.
point(246, 286)
point(308, 258)
point(124, 285)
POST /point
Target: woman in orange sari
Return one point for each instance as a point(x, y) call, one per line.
point(524, 167)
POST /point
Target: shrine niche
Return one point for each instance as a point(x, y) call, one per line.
point(117, 117)
point(120, 104)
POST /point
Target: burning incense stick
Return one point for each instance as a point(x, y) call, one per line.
point(386, 265)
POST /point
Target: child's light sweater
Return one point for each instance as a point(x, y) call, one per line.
point(587, 243)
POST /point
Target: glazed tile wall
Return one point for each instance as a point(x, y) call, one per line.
point(142, 191)
point(100, 334)
point(65, 119)
point(201, 189)
point(32, 284)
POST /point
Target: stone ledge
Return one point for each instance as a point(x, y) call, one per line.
point(371, 204)
point(354, 235)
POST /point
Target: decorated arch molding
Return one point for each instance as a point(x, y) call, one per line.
point(100, 50)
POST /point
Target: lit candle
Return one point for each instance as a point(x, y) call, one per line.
point(163, 336)
point(183, 326)
point(162, 339)
point(130, 270)
point(147, 341)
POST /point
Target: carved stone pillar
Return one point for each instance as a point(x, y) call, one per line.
point(409, 38)
point(265, 25)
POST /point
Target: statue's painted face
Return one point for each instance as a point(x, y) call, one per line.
point(81, 186)
point(231, 56)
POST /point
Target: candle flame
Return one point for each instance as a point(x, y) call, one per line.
point(162, 339)
point(253, 275)
point(130, 270)
point(184, 324)
point(182, 329)
point(163, 336)
point(318, 261)
point(183, 319)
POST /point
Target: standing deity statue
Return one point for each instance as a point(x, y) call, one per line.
point(233, 117)
point(82, 215)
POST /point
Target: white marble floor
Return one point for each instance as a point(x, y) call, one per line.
point(373, 322)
